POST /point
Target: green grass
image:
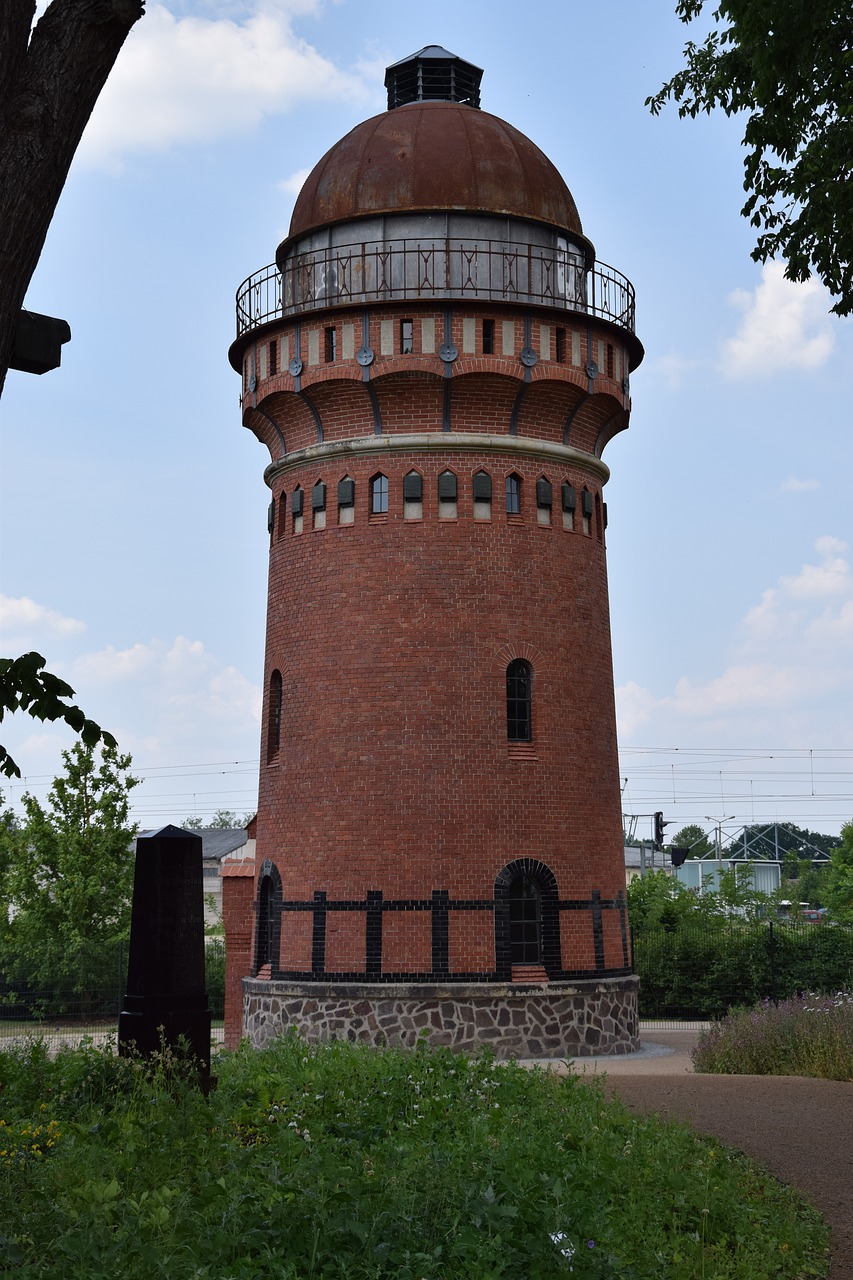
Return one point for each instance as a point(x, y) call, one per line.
point(343, 1162)
point(807, 1035)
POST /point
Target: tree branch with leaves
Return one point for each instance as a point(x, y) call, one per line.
point(786, 66)
point(26, 686)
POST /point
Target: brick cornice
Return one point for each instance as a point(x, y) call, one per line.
point(438, 442)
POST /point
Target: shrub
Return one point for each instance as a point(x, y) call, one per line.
point(701, 968)
point(345, 1163)
point(214, 975)
point(806, 1035)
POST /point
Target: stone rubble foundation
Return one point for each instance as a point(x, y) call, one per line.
point(547, 1020)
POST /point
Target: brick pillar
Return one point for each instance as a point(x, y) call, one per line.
point(238, 882)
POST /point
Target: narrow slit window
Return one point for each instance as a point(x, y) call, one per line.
point(586, 510)
point(544, 500)
point(331, 345)
point(274, 716)
point(296, 508)
point(407, 337)
point(560, 346)
point(273, 357)
point(513, 495)
point(519, 684)
point(569, 500)
point(488, 337)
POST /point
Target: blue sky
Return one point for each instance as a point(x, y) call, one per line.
point(133, 506)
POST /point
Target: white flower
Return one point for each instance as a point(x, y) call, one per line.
point(563, 1243)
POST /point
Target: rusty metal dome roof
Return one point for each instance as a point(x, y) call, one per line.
point(433, 156)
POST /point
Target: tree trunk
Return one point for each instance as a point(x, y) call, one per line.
point(50, 78)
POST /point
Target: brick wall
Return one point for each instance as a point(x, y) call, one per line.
point(392, 636)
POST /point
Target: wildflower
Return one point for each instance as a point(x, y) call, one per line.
point(563, 1243)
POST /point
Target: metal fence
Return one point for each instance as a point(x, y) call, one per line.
point(67, 1012)
point(398, 270)
point(696, 972)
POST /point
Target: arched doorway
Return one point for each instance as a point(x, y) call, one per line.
point(527, 927)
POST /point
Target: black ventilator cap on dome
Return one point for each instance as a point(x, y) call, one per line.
point(433, 74)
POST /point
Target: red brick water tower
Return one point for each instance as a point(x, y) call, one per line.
point(436, 362)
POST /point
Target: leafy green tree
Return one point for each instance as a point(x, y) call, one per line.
point(692, 837)
point(838, 891)
point(785, 66)
point(67, 879)
point(802, 882)
point(222, 820)
point(659, 901)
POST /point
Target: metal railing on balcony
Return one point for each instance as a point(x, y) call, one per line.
point(441, 270)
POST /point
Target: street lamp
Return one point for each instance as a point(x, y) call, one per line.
point(718, 824)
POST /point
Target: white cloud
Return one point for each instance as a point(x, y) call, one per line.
point(293, 185)
point(192, 78)
point(635, 706)
point(672, 369)
point(785, 325)
point(785, 609)
point(789, 673)
point(20, 614)
point(111, 664)
point(178, 692)
point(185, 717)
point(793, 485)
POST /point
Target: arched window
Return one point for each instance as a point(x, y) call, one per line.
point(265, 919)
point(513, 495)
point(525, 921)
point(297, 505)
point(413, 496)
point(379, 495)
point(268, 934)
point(482, 491)
point(519, 687)
point(274, 716)
point(448, 489)
point(346, 500)
point(544, 500)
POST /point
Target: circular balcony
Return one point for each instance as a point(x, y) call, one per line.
point(439, 271)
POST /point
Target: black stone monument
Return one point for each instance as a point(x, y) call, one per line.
point(166, 997)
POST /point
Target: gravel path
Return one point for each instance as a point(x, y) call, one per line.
point(800, 1129)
